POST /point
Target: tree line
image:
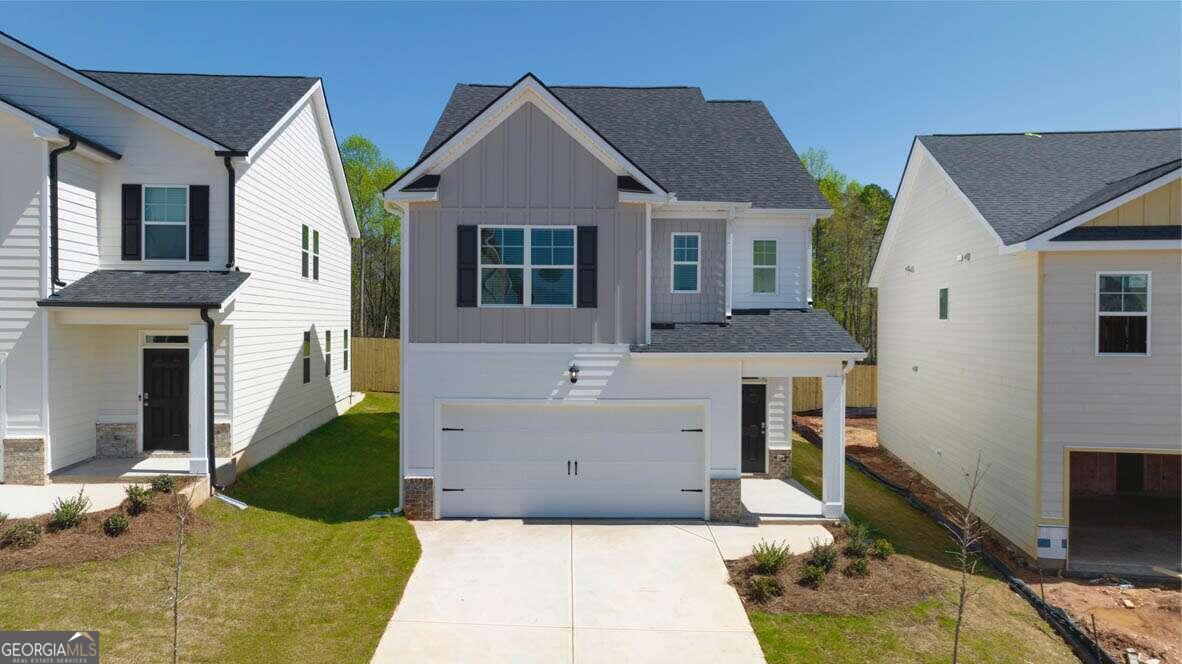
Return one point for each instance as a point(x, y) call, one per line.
point(844, 245)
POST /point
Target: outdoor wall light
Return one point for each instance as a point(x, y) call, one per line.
point(573, 372)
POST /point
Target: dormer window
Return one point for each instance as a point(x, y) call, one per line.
point(687, 264)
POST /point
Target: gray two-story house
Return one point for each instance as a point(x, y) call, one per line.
point(606, 297)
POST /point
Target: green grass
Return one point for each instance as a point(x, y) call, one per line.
point(1000, 626)
point(300, 576)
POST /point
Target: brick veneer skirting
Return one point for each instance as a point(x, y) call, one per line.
point(24, 461)
point(779, 464)
point(418, 498)
point(222, 440)
point(726, 501)
point(116, 440)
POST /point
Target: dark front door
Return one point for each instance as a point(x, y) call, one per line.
point(754, 428)
point(166, 400)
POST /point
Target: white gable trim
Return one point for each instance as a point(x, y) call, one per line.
point(918, 154)
point(332, 152)
point(1042, 241)
point(109, 93)
point(41, 128)
point(528, 90)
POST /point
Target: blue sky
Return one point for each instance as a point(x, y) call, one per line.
point(856, 79)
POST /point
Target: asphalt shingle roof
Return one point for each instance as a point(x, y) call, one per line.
point(133, 288)
point(699, 149)
point(1111, 233)
point(235, 111)
point(757, 331)
point(1026, 184)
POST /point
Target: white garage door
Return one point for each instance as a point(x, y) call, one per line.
point(621, 461)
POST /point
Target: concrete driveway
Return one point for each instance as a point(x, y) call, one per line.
point(561, 591)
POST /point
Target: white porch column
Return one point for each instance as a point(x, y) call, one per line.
point(833, 454)
point(198, 348)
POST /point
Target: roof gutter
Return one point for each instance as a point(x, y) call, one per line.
point(231, 183)
point(209, 397)
point(54, 279)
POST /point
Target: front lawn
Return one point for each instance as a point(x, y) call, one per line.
point(301, 575)
point(1000, 626)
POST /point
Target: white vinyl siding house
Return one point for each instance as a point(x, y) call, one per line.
point(139, 197)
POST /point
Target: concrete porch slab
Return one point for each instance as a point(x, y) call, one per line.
point(774, 499)
point(132, 469)
point(22, 502)
point(735, 540)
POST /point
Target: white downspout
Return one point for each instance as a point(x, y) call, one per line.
point(648, 273)
point(730, 258)
point(808, 249)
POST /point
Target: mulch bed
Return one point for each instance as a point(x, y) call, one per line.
point(897, 582)
point(87, 541)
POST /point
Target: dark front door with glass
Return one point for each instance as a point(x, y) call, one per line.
point(166, 400)
point(754, 428)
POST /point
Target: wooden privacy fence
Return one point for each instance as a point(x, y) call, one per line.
point(376, 364)
point(861, 390)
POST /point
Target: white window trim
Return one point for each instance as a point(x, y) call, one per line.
point(144, 223)
point(1148, 310)
point(673, 262)
point(774, 267)
point(526, 266)
point(312, 251)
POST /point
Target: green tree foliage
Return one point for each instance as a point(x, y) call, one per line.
point(844, 247)
point(376, 257)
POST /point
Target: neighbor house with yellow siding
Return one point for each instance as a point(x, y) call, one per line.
point(1030, 315)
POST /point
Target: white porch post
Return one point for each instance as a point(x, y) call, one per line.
point(833, 455)
point(198, 347)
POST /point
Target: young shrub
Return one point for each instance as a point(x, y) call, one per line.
point(68, 512)
point(813, 576)
point(882, 549)
point(163, 484)
point(115, 525)
point(823, 555)
point(770, 556)
point(3, 518)
point(21, 536)
point(857, 548)
point(856, 531)
point(139, 499)
point(761, 587)
point(858, 567)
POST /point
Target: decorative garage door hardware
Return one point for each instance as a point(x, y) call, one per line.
point(691, 431)
point(691, 491)
point(453, 489)
point(452, 429)
point(568, 467)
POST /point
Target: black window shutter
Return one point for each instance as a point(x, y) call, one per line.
point(466, 252)
point(199, 222)
point(132, 221)
point(587, 267)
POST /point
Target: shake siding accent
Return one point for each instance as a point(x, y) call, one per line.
point(22, 163)
point(792, 261)
point(78, 186)
point(1160, 207)
point(288, 185)
point(527, 171)
point(1109, 402)
point(973, 389)
point(709, 304)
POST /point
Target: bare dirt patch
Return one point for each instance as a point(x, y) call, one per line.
point(87, 541)
point(897, 582)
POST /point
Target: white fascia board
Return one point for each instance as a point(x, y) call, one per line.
point(788, 212)
point(283, 121)
point(396, 197)
point(762, 356)
point(517, 348)
point(720, 210)
point(1103, 245)
point(109, 93)
point(1042, 241)
point(637, 197)
point(960, 194)
point(328, 139)
point(41, 128)
point(530, 90)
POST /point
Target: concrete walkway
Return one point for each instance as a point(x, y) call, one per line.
point(21, 502)
point(562, 591)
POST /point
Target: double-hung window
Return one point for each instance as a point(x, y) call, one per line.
point(166, 223)
point(686, 267)
point(943, 306)
point(345, 351)
point(328, 352)
point(310, 253)
point(305, 255)
point(1122, 313)
point(307, 356)
point(530, 266)
point(763, 267)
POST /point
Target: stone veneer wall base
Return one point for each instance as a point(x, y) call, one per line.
point(418, 498)
point(780, 464)
point(222, 440)
point(24, 461)
point(726, 501)
point(116, 440)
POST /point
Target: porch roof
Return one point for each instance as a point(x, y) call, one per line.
point(756, 331)
point(181, 289)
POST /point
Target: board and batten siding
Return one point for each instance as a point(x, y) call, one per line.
point(1114, 402)
point(22, 334)
point(792, 249)
point(526, 171)
point(287, 185)
point(950, 389)
point(1160, 207)
point(708, 305)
